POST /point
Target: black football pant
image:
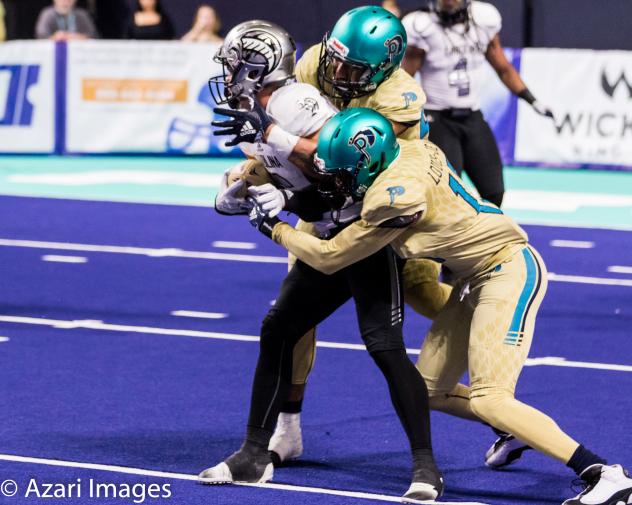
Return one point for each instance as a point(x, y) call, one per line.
point(469, 144)
point(307, 298)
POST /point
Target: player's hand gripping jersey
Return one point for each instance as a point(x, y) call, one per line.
point(452, 73)
point(420, 207)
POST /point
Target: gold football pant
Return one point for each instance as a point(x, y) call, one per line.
point(486, 328)
point(422, 291)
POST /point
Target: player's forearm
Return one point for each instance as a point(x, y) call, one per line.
point(512, 80)
point(303, 155)
point(299, 150)
point(330, 256)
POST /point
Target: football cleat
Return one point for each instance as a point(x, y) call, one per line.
point(427, 485)
point(505, 451)
point(605, 485)
point(248, 464)
point(287, 441)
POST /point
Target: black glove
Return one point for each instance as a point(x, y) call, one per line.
point(247, 125)
point(260, 219)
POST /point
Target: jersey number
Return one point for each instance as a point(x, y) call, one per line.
point(479, 207)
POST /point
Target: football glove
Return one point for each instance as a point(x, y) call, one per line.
point(246, 125)
point(272, 200)
point(260, 219)
point(542, 109)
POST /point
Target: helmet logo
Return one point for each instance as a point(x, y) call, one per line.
point(261, 43)
point(362, 141)
point(394, 46)
point(338, 47)
point(395, 191)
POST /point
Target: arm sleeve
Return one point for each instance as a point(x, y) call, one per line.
point(300, 109)
point(356, 242)
point(307, 67)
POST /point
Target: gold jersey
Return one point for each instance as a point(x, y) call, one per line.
point(420, 207)
point(399, 98)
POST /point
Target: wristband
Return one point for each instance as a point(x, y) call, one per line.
point(527, 96)
point(282, 141)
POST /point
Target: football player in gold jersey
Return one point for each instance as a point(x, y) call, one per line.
point(358, 65)
point(414, 202)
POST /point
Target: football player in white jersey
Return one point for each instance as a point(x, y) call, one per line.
point(270, 115)
point(448, 44)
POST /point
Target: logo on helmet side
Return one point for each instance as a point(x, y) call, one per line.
point(362, 141)
point(338, 47)
point(262, 43)
point(394, 46)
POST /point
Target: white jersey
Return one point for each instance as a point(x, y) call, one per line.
point(298, 109)
point(451, 74)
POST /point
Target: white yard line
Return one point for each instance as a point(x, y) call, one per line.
point(253, 258)
point(225, 244)
point(580, 279)
point(189, 477)
point(143, 251)
point(574, 244)
point(91, 324)
point(64, 259)
point(199, 315)
point(619, 269)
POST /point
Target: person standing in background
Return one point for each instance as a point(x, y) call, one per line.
point(64, 21)
point(150, 22)
point(206, 26)
point(448, 43)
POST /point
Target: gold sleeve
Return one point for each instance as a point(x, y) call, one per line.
point(356, 242)
point(307, 67)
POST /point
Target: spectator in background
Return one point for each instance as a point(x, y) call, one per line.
point(64, 21)
point(206, 26)
point(392, 7)
point(150, 22)
point(3, 30)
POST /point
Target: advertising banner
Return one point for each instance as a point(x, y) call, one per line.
point(27, 97)
point(149, 97)
point(591, 95)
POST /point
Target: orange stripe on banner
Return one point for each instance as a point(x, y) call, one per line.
point(134, 90)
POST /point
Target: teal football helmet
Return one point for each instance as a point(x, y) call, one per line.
point(365, 47)
point(354, 147)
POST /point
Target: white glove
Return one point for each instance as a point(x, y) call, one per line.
point(542, 109)
point(227, 201)
point(271, 199)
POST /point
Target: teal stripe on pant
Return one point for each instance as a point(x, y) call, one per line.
point(529, 291)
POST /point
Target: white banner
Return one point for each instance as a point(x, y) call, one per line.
point(27, 97)
point(130, 96)
point(591, 95)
